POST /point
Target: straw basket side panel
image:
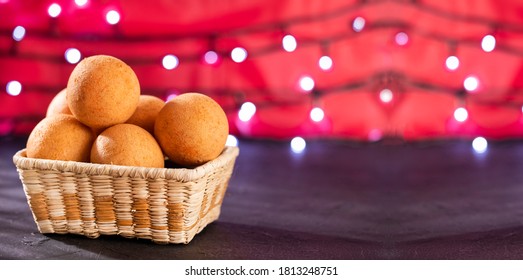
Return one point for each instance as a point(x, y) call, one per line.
point(69, 191)
point(217, 185)
point(140, 208)
point(184, 202)
point(50, 179)
point(123, 206)
point(87, 207)
point(158, 210)
point(36, 198)
point(103, 193)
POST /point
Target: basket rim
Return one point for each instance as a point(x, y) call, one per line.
point(229, 154)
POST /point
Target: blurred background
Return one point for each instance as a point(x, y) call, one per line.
point(362, 70)
point(355, 120)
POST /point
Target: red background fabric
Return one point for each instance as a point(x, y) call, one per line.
point(425, 93)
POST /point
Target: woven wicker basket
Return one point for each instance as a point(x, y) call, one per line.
point(166, 205)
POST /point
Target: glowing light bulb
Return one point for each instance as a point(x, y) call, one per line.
point(317, 114)
point(386, 95)
point(13, 88)
point(18, 33)
point(488, 43)
point(231, 141)
point(471, 83)
point(247, 111)
point(480, 145)
point(452, 62)
point(461, 114)
point(238, 54)
point(170, 62)
point(289, 43)
point(72, 55)
point(401, 38)
point(306, 83)
point(298, 145)
point(325, 63)
point(54, 10)
point(80, 3)
point(210, 57)
point(358, 24)
point(112, 17)
point(375, 135)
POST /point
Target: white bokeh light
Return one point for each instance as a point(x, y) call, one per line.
point(358, 24)
point(247, 111)
point(289, 43)
point(461, 114)
point(210, 57)
point(298, 145)
point(325, 63)
point(317, 114)
point(375, 135)
point(386, 95)
point(401, 38)
point(170, 62)
point(72, 55)
point(480, 145)
point(238, 54)
point(112, 17)
point(54, 10)
point(452, 62)
point(80, 3)
point(18, 33)
point(306, 83)
point(471, 83)
point(231, 141)
point(13, 88)
point(488, 43)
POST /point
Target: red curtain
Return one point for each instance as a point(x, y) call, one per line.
point(397, 46)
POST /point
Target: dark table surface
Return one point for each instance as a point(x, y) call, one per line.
point(337, 200)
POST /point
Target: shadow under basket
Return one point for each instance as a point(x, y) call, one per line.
point(166, 205)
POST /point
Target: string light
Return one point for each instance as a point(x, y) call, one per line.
point(210, 57)
point(231, 141)
point(298, 145)
point(488, 43)
point(375, 135)
point(317, 114)
point(358, 24)
point(289, 43)
point(80, 3)
point(73, 55)
point(461, 114)
point(325, 63)
point(54, 10)
point(480, 145)
point(401, 38)
point(386, 95)
point(247, 111)
point(471, 83)
point(171, 94)
point(238, 54)
point(452, 62)
point(306, 83)
point(170, 62)
point(13, 88)
point(112, 17)
point(18, 33)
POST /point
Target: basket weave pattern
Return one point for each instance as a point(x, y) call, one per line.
point(166, 205)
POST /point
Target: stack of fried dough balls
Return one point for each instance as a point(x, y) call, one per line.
point(102, 118)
